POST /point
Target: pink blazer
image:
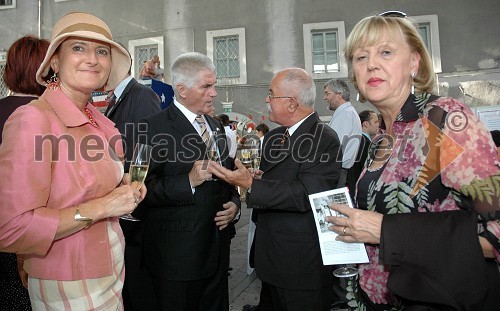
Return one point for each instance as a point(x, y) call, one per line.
point(52, 158)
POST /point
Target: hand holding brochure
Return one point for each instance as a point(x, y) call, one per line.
point(334, 252)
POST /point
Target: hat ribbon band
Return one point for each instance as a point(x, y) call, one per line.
point(86, 27)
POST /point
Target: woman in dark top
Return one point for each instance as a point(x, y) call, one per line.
point(23, 59)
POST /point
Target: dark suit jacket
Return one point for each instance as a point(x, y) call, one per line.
point(181, 241)
point(286, 247)
point(135, 103)
point(355, 170)
point(436, 262)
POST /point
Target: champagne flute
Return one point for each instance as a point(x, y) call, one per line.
point(212, 153)
point(345, 270)
point(138, 170)
point(249, 157)
point(256, 161)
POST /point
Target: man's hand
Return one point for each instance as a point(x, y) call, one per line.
point(225, 217)
point(240, 177)
point(256, 174)
point(199, 173)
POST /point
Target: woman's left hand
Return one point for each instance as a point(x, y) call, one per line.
point(359, 226)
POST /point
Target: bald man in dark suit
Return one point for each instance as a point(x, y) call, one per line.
point(298, 158)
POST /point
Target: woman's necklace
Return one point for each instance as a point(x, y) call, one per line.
point(90, 116)
point(382, 152)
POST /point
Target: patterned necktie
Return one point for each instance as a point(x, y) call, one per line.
point(111, 100)
point(285, 137)
point(204, 132)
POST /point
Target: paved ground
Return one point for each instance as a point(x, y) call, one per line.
point(243, 288)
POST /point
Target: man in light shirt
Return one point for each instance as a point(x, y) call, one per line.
point(345, 122)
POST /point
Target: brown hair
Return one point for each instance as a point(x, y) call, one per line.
point(371, 29)
point(262, 127)
point(23, 59)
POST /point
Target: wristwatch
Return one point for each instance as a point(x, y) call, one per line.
point(86, 220)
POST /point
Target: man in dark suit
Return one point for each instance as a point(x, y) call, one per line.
point(133, 101)
point(369, 127)
point(299, 158)
point(130, 102)
point(188, 213)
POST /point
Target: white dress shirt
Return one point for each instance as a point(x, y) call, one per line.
point(346, 123)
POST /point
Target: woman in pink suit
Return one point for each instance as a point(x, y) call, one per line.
point(63, 184)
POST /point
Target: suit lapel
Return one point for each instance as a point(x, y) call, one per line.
point(122, 96)
point(221, 140)
point(291, 145)
point(181, 124)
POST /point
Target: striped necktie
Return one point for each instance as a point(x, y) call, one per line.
point(285, 137)
point(204, 131)
point(111, 100)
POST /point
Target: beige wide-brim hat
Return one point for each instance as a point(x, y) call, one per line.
point(87, 26)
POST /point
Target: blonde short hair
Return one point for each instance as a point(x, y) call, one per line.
point(370, 30)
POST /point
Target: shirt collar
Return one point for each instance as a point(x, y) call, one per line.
point(411, 109)
point(293, 128)
point(121, 87)
point(191, 116)
point(342, 107)
point(68, 113)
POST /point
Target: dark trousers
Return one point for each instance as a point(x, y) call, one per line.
point(138, 287)
point(208, 294)
point(137, 290)
point(198, 295)
point(273, 298)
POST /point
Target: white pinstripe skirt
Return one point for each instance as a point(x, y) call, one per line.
point(89, 294)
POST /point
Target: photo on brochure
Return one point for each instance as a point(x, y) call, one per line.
point(332, 251)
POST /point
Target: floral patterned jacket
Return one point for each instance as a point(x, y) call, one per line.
point(443, 158)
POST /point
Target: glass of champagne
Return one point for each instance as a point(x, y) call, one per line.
point(138, 170)
point(345, 270)
point(256, 160)
point(212, 153)
point(249, 157)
